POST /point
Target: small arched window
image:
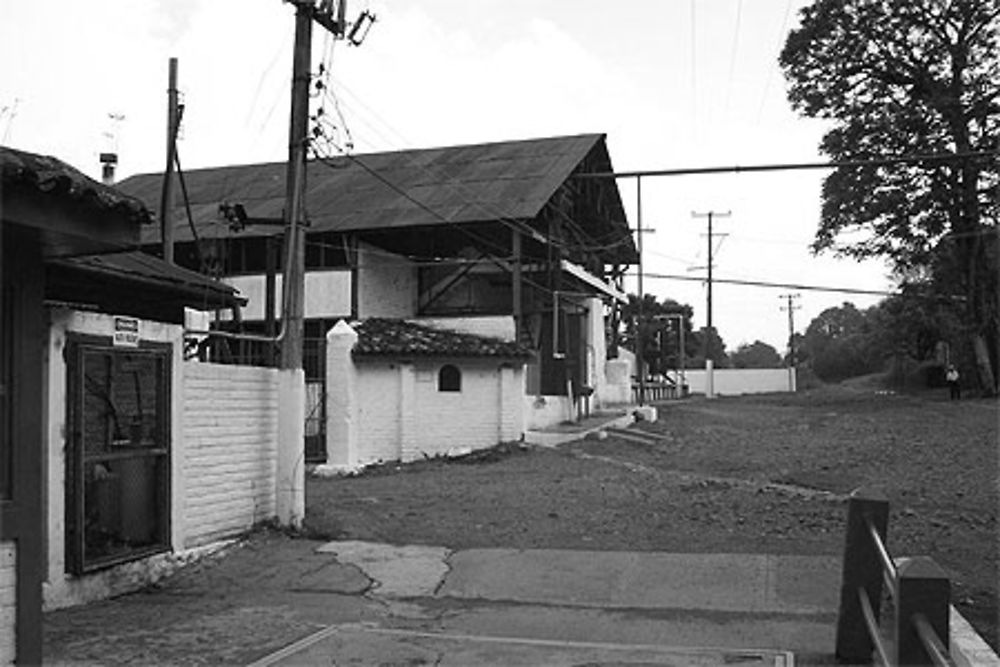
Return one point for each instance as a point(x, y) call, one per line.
point(449, 378)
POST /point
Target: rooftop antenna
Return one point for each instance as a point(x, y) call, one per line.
point(9, 110)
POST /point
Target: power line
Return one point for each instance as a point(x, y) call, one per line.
point(762, 283)
point(770, 70)
point(791, 166)
point(732, 55)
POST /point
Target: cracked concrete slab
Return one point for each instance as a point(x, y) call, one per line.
point(754, 583)
point(396, 571)
point(333, 577)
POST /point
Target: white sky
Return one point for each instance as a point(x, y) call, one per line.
point(673, 83)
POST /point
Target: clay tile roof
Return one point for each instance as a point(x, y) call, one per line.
point(46, 174)
point(387, 337)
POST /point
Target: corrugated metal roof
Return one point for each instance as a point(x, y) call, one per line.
point(379, 337)
point(459, 184)
point(141, 268)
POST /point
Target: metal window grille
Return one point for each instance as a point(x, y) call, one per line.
point(119, 465)
point(6, 395)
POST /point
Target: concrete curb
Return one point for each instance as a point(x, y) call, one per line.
point(968, 649)
point(558, 437)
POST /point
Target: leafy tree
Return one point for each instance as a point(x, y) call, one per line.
point(716, 349)
point(757, 354)
point(838, 344)
point(910, 78)
point(660, 333)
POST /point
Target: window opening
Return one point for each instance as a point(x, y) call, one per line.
point(6, 380)
point(449, 378)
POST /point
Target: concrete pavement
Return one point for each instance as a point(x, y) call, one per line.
point(552, 607)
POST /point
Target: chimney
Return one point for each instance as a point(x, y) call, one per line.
point(108, 162)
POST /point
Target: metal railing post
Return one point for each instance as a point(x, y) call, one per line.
point(862, 569)
point(924, 591)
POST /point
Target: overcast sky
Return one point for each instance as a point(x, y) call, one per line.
point(673, 83)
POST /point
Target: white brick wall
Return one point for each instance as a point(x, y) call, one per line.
point(390, 410)
point(230, 433)
point(446, 420)
point(378, 397)
point(8, 602)
point(738, 381)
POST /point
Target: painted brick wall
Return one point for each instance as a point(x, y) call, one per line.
point(738, 381)
point(328, 294)
point(230, 431)
point(8, 602)
point(378, 397)
point(448, 420)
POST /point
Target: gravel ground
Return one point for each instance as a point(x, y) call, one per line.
point(749, 474)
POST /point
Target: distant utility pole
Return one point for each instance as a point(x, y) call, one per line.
point(293, 311)
point(640, 338)
point(791, 308)
point(167, 193)
point(640, 357)
point(709, 379)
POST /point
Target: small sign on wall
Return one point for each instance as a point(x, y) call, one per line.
point(126, 333)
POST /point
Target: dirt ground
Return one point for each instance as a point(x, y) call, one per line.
point(749, 474)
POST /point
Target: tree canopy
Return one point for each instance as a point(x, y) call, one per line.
point(757, 354)
point(661, 335)
point(905, 79)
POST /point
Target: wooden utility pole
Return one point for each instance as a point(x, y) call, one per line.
point(293, 311)
point(640, 361)
point(294, 269)
point(710, 215)
point(791, 325)
point(167, 193)
point(791, 308)
point(709, 329)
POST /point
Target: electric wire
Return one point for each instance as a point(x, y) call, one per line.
point(763, 283)
point(732, 56)
point(770, 70)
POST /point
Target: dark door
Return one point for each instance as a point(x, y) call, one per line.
point(118, 459)
point(22, 335)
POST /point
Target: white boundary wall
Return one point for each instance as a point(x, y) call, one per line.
point(230, 422)
point(236, 440)
point(738, 381)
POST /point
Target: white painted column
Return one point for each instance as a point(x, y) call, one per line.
point(291, 483)
point(409, 438)
point(597, 353)
point(8, 602)
point(341, 402)
point(709, 378)
point(501, 400)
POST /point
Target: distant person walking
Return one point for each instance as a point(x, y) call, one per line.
point(951, 377)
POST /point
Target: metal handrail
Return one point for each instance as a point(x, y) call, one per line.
point(918, 586)
point(873, 631)
point(883, 553)
point(929, 638)
point(888, 566)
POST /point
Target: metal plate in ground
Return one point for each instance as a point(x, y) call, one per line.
point(356, 644)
